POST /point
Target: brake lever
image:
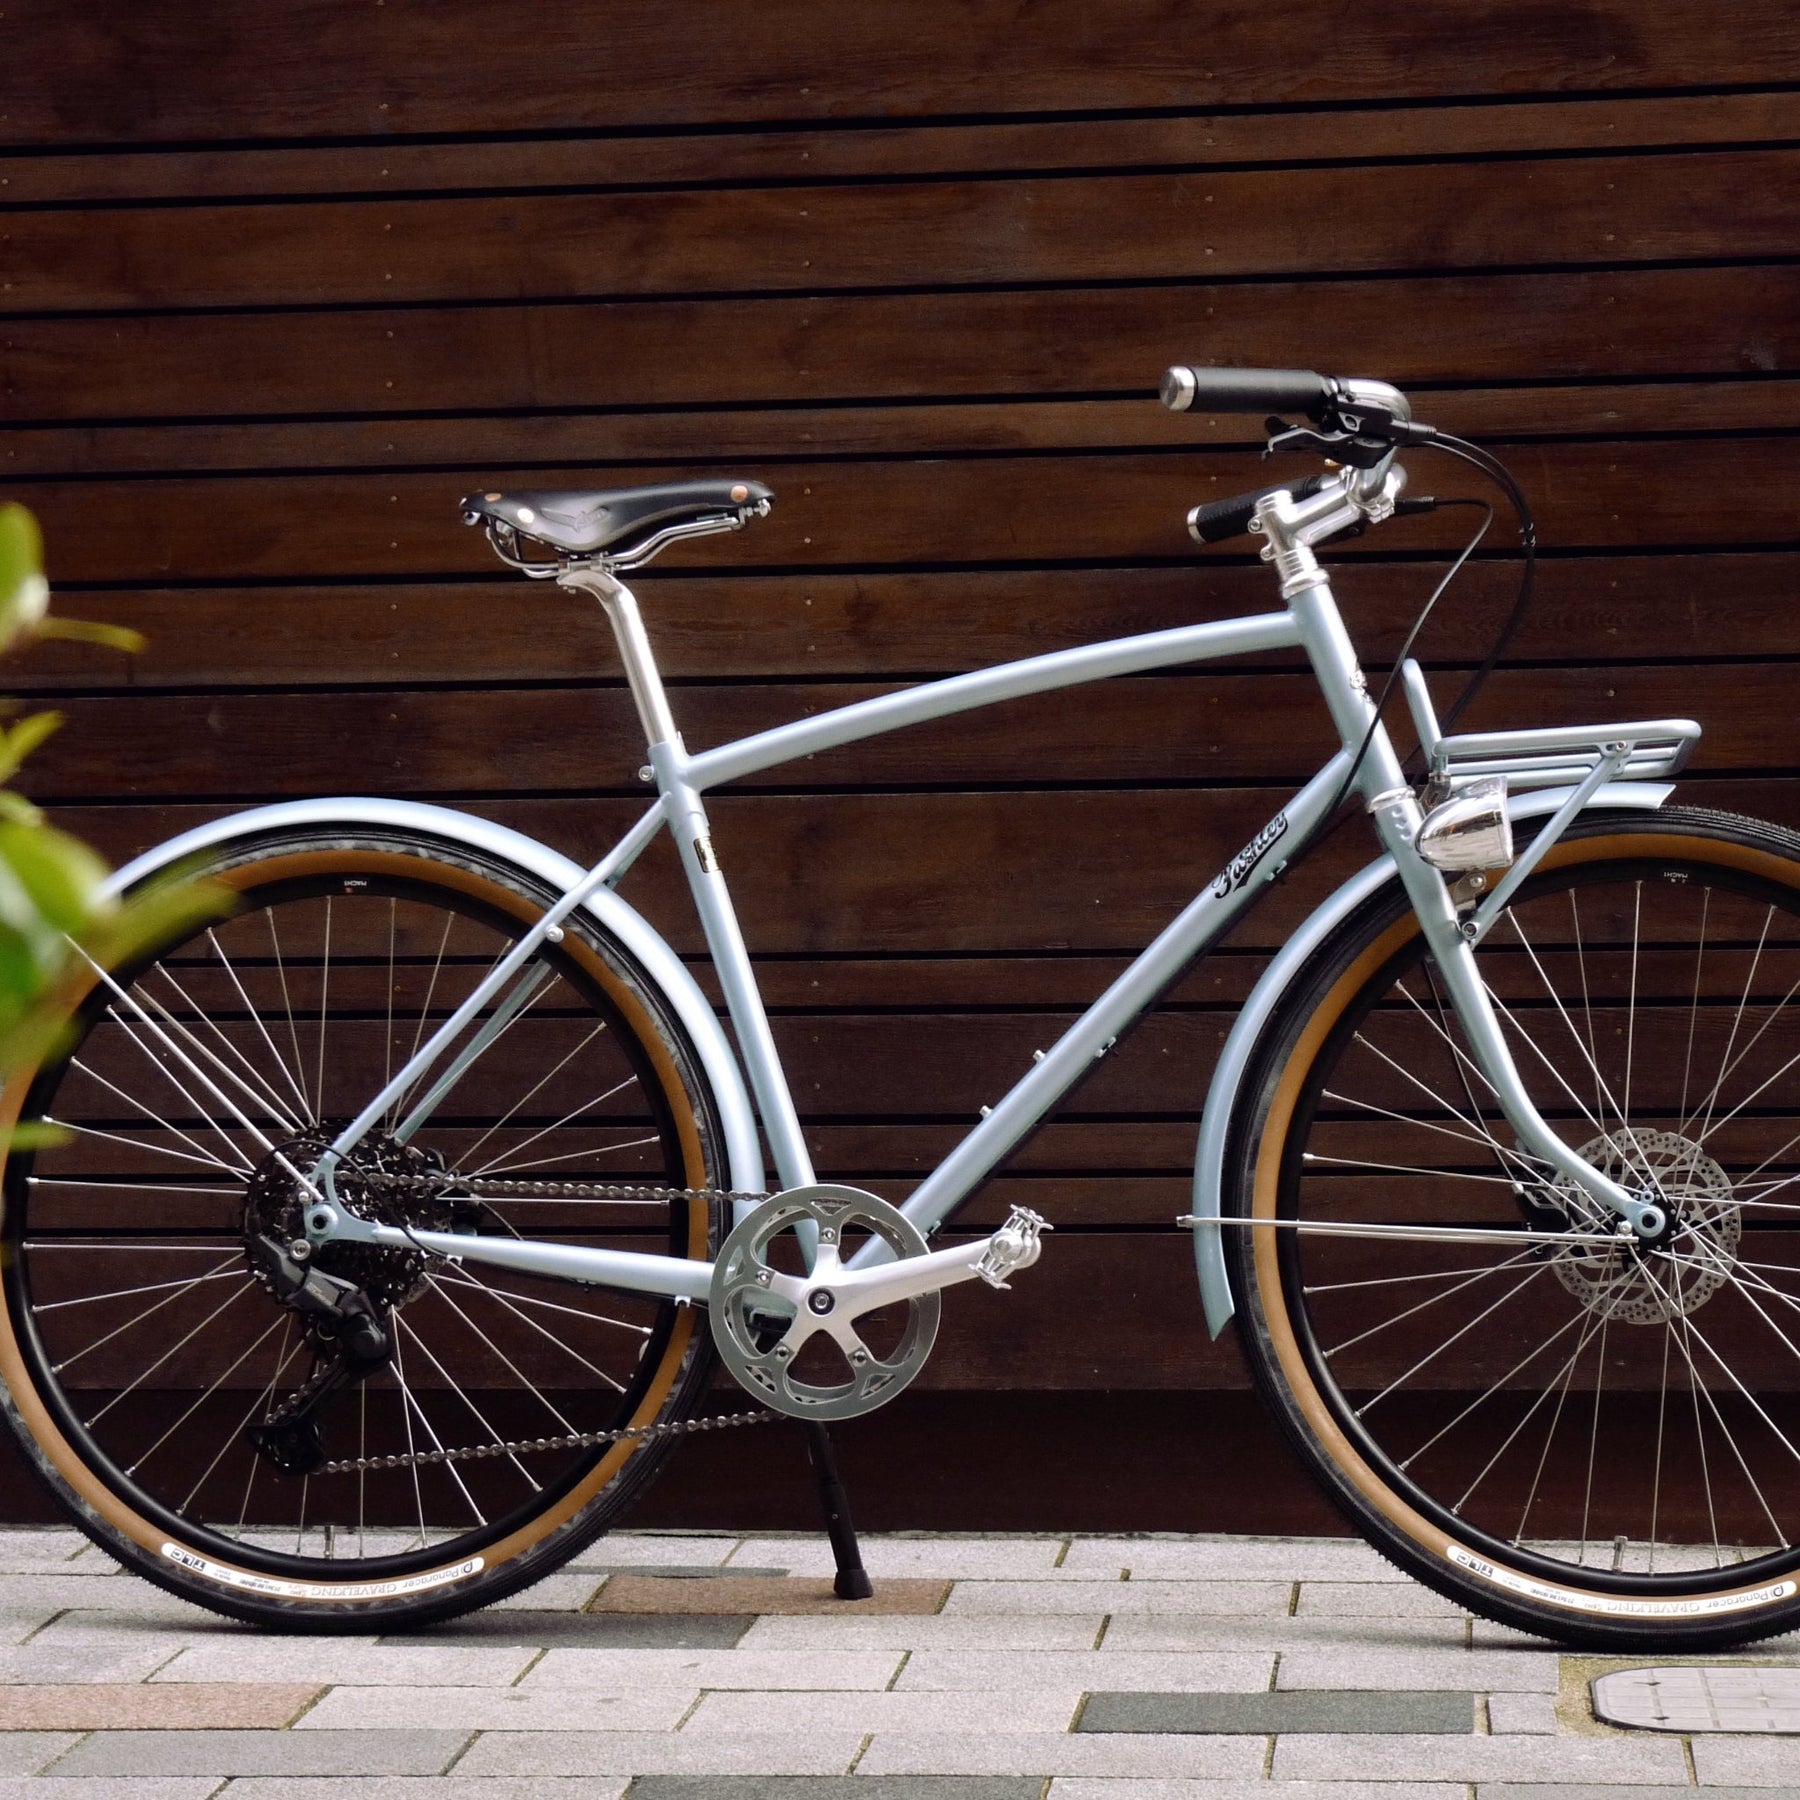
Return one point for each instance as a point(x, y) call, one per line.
point(1337, 446)
point(1359, 439)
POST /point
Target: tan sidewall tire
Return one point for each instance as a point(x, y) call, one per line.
point(1293, 1043)
point(673, 1389)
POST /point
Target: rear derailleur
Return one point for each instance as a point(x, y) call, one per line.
point(351, 1341)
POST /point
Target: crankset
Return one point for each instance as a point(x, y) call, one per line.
point(797, 1338)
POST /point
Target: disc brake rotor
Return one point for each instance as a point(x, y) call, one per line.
point(771, 1344)
point(1643, 1287)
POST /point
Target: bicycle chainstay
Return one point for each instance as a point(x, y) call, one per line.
point(453, 1187)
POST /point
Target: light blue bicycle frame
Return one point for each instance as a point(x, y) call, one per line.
point(1309, 621)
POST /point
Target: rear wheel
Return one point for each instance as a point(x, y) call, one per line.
point(1596, 1442)
point(155, 1373)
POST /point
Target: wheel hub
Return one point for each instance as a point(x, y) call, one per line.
point(1651, 1283)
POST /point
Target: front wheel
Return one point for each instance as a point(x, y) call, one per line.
point(1596, 1442)
point(258, 1458)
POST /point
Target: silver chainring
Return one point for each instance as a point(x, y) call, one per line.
point(761, 1337)
point(1644, 1288)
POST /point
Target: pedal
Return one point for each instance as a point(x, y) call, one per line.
point(1016, 1245)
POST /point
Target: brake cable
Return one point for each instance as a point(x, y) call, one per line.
point(1501, 476)
point(1328, 819)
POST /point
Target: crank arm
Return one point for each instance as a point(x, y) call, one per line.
point(849, 1293)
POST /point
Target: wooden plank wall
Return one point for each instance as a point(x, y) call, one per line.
point(279, 283)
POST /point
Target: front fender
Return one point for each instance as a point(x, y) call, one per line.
point(1266, 996)
point(625, 922)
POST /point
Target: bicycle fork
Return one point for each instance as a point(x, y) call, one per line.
point(1291, 527)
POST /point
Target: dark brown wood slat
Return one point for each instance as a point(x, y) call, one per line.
point(1439, 327)
point(1085, 871)
point(1221, 980)
point(1021, 1340)
point(1587, 609)
point(1719, 491)
point(317, 69)
point(896, 1068)
point(1430, 217)
point(806, 986)
point(961, 982)
point(1152, 728)
point(885, 151)
point(892, 1067)
point(1493, 415)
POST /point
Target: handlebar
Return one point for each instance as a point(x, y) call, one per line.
point(1186, 388)
point(1221, 519)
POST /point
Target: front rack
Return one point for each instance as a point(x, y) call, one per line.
point(1552, 756)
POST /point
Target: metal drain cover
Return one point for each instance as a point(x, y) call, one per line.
point(1742, 1699)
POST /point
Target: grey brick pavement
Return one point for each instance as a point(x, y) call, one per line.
point(1057, 1669)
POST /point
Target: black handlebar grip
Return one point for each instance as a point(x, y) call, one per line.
point(1189, 389)
point(1221, 519)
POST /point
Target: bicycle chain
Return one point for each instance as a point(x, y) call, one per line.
point(457, 1187)
point(580, 1440)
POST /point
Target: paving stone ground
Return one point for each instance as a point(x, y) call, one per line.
point(685, 1666)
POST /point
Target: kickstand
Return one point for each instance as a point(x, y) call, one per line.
point(853, 1581)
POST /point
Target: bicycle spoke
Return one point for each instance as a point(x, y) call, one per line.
point(239, 1070)
point(324, 1012)
point(1602, 1091)
point(148, 1287)
point(500, 1355)
point(255, 1015)
point(496, 1164)
point(287, 1006)
point(180, 1343)
point(525, 1099)
point(506, 1301)
point(206, 1394)
point(1432, 1356)
point(1360, 1162)
point(456, 1388)
point(545, 1162)
point(437, 1443)
point(1562, 1378)
point(1433, 1300)
point(69, 1361)
point(1737, 1019)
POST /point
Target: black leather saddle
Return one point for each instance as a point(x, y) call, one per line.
point(613, 521)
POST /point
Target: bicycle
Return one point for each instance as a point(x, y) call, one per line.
point(443, 1151)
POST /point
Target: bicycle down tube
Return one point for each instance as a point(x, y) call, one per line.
point(1310, 622)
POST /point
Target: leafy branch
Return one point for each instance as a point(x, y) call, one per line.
point(57, 923)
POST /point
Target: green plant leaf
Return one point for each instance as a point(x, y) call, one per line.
point(24, 593)
point(37, 1134)
point(92, 631)
point(18, 743)
point(60, 873)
